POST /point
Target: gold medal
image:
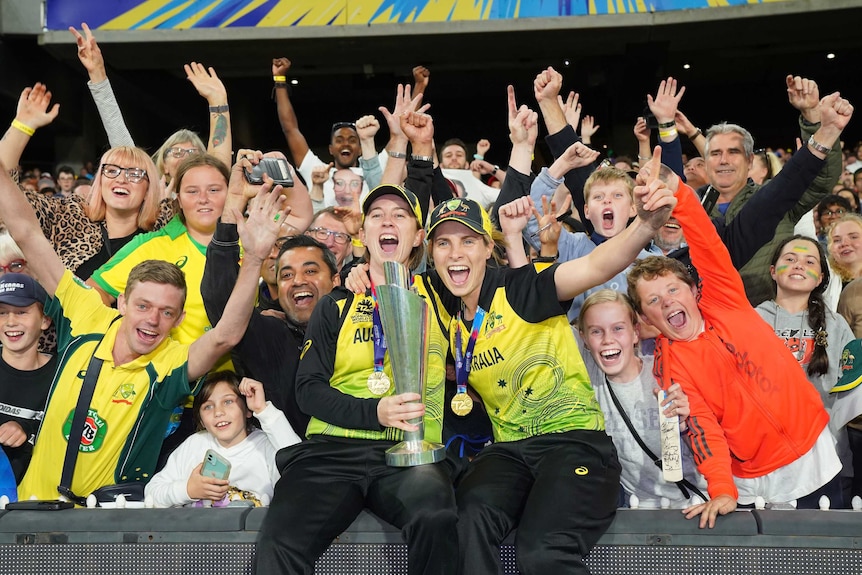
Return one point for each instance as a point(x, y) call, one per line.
point(462, 404)
point(378, 383)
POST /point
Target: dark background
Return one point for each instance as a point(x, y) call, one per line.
point(737, 74)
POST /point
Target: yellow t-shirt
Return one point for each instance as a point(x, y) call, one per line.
point(130, 407)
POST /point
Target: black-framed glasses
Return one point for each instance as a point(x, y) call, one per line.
point(133, 175)
point(835, 212)
point(321, 235)
point(177, 152)
point(338, 125)
point(14, 267)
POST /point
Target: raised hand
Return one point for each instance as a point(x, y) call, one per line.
point(588, 128)
point(523, 122)
point(642, 132)
point(89, 53)
point(835, 112)
point(547, 85)
point(654, 194)
point(550, 227)
point(280, 66)
point(804, 95)
point(515, 215)
point(33, 107)
point(319, 174)
point(367, 127)
point(255, 397)
point(421, 77)
point(351, 216)
point(266, 212)
point(577, 156)
point(482, 147)
point(418, 127)
point(403, 104)
point(207, 83)
point(571, 108)
point(666, 101)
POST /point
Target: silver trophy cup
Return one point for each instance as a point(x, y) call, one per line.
point(405, 319)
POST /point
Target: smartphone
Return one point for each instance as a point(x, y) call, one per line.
point(276, 168)
point(651, 121)
point(215, 465)
point(40, 505)
point(709, 199)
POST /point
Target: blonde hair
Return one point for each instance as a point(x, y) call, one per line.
point(9, 250)
point(127, 157)
point(606, 296)
point(177, 137)
point(609, 175)
point(844, 272)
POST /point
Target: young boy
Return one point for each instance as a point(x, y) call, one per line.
point(25, 373)
point(757, 426)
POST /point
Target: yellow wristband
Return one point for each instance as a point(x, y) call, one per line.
point(668, 133)
point(357, 243)
point(22, 127)
point(279, 78)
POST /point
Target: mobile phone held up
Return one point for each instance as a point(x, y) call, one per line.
point(215, 465)
point(275, 168)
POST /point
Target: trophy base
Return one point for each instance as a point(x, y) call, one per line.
point(412, 453)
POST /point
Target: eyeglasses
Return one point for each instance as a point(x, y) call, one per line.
point(322, 234)
point(180, 152)
point(133, 175)
point(354, 184)
point(14, 267)
point(838, 212)
point(338, 125)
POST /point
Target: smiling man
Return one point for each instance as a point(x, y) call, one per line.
point(304, 270)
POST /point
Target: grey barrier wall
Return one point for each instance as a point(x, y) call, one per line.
point(221, 541)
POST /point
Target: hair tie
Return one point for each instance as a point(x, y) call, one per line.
point(820, 338)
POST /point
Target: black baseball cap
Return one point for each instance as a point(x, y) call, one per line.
point(20, 290)
point(464, 211)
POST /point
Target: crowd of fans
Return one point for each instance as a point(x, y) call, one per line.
point(563, 299)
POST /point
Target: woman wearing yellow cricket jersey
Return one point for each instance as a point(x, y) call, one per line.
point(552, 472)
point(343, 383)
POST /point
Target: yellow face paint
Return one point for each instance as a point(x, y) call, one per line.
point(812, 274)
point(801, 249)
point(781, 269)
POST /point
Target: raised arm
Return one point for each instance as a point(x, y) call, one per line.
point(397, 146)
point(90, 56)
point(664, 107)
point(34, 112)
point(21, 220)
point(523, 131)
point(257, 234)
point(286, 116)
point(366, 128)
point(211, 88)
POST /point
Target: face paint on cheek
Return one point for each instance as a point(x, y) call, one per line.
point(812, 274)
point(781, 269)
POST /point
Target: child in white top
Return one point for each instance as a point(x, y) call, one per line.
point(222, 409)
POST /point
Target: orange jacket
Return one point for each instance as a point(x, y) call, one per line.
point(753, 410)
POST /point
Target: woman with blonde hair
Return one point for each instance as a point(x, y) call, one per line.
point(124, 201)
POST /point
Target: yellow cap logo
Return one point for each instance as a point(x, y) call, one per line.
point(581, 470)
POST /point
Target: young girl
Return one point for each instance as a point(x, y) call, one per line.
point(623, 380)
point(799, 316)
point(222, 409)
